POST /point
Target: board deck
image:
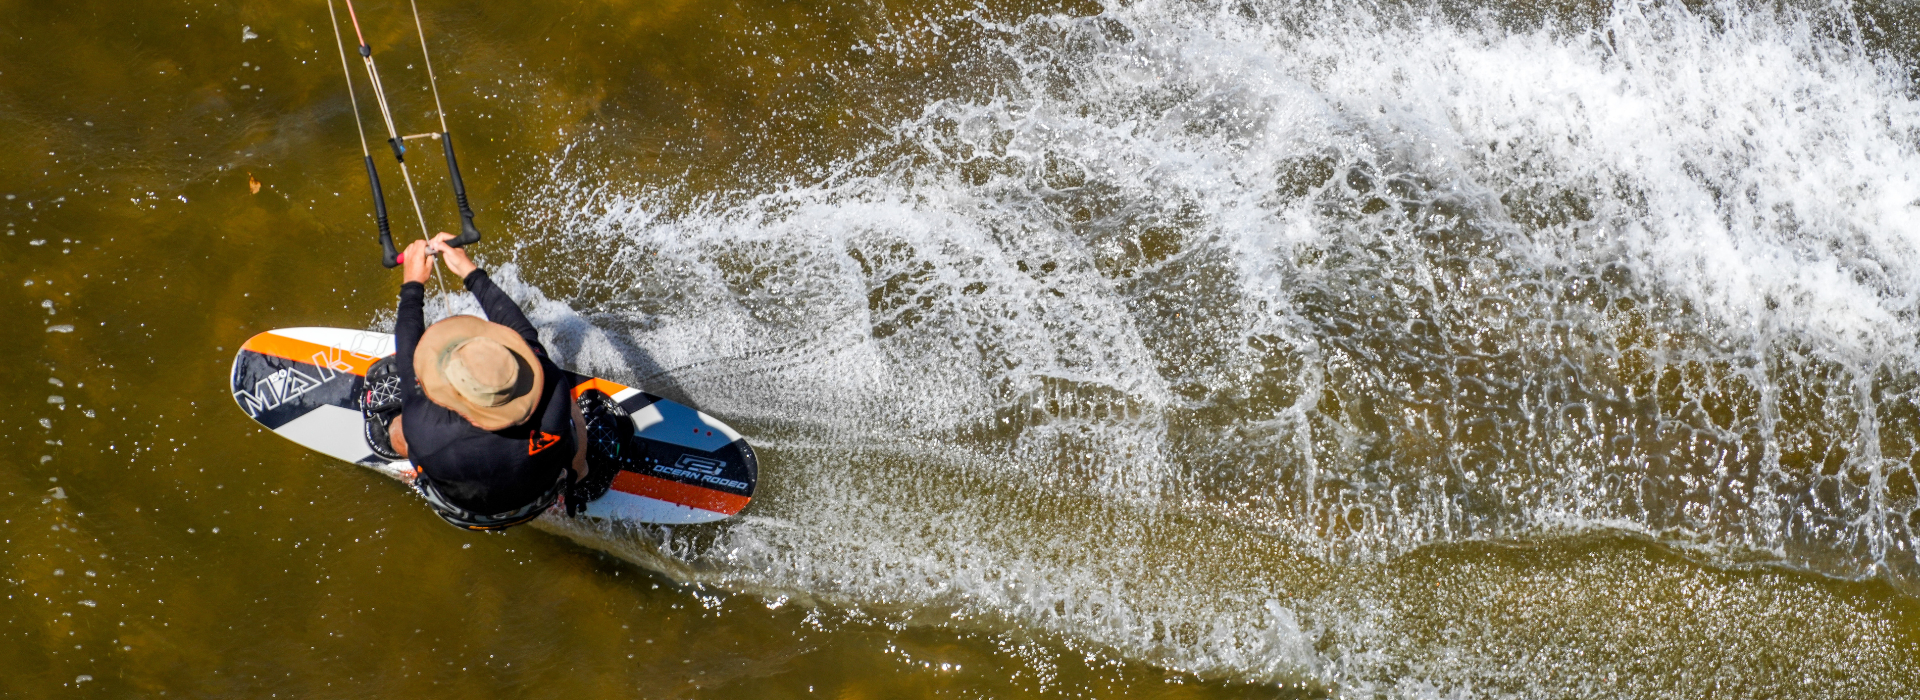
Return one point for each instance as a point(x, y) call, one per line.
point(305, 385)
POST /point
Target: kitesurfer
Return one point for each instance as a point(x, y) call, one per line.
point(489, 422)
point(482, 412)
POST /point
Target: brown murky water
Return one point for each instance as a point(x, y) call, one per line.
point(982, 283)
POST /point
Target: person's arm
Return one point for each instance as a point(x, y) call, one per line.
point(499, 307)
point(411, 321)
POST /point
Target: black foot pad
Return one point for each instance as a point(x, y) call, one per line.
point(611, 447)
point(379, 405)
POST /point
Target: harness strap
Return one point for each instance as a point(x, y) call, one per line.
point(461, 517)
point(610, 450)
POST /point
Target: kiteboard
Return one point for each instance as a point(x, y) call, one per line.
point(306, 385)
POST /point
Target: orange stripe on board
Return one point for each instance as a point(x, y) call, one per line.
point(605, 387)
point(675, 492)
point(310, 353)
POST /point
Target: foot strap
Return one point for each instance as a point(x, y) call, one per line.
point(380, 404)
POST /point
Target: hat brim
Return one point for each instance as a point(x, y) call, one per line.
point(429, 365)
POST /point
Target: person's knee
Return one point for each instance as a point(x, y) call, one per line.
point(396, 437)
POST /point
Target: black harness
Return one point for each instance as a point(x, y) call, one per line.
point(461, 517)
point(610, 449)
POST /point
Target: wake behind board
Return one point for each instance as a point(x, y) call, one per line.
point(305, 384)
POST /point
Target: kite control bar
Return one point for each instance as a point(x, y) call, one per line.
point(389, 254)
point(469, 234)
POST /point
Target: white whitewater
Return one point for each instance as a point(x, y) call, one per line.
point(1155, 326)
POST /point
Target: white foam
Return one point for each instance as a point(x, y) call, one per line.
point(978, 402)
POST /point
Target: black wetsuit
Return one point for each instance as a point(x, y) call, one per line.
point(479, 471)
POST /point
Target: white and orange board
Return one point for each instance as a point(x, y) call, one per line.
point(305, 384)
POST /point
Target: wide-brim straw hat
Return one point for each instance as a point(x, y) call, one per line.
point(479, 369)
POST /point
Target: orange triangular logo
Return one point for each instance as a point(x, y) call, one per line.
point(539, 441)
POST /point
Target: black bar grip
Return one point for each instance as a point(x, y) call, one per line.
point(389, 257)
point(468, 234)
point(399, 150)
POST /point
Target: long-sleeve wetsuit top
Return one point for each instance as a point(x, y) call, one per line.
point(481, 471)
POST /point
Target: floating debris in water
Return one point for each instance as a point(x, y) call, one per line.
point(56, 399)
point(61, 328)
point(246, 34)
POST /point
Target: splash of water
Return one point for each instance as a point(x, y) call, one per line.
point(1152, 323)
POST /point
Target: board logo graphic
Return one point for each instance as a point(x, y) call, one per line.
point(369, 346)
point(700, 465)
point(705, 470)
point(330, 364)
point(275, 389)
point(291, 383)
point(540, 441)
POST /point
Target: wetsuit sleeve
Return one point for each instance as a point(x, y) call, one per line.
point(410, 324)
point(501, 309)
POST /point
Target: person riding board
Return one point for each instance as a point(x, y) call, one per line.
point(490, 423)
point(485, 416)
